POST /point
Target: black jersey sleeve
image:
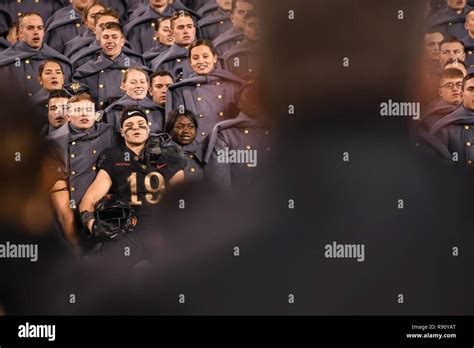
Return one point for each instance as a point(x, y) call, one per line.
point(172, 161)
point(107, 161)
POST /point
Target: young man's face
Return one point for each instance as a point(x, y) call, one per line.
point(91, 15)
point(81, 114)
point(52, 77)
point(135, 130)
point(202, 60)
point(164, 34)
point(457, 4)
point(226, 5)
point(432, 45)
point(136, 85)
point(111, 42)
point(450, 90)
point(31, 31)
point(184, 31)
point(184, 131)
point(100, 22)
point(451, 50)
point(57, 108)
point(239, 13)
point(468, 95)
point(252, 29)
point(159, 88)
point(81, 5)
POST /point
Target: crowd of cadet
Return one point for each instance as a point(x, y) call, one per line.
point(182, 65)
point(445, 129)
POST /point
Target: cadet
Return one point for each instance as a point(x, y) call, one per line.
point(197, 5)
point(211, 93)
point(141, 29)
point(129, 174)
point(235, 34)
point(17, 8)
point(93, 51)
point(88, 36)
point(238, 147)
point(450, 98)
point(213, 25)
point(449, 48)
point(163, 37)
point(57, 111)
point(160, 82)
point(456, 130)
point(104, 75)
point(431, 51)
point(66, 24)
point(243, 59)
point(182, 128)
point(449, 20)
point(175, 59)
point(21, 62)
point(77, 145)
point(51, 78)
point(135, 84)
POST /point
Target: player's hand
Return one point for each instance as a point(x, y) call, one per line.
point(90, 225)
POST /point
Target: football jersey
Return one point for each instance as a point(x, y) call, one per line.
point(141, 185)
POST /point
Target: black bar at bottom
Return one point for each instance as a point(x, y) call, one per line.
point(135, 330)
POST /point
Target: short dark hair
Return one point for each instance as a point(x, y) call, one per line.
point(28, 14)
point(113, 26)
point(173, 118)
point(467, 78)
point(59, 93)
point(202, 42)
point(451, 39)
point(107, 12)
point(452, 73)
point(160, 73)
point(234, 3)
point(43, 65)
point(132, 111)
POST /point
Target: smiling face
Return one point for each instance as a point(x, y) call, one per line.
point(164, 34)
point(135, 130)
point(111, 42)
point(184, 131)
point(57, 108)
point(135, 85)
point(81, 114)
point(184, 31)
point(52, 77)
point(31, 31)
point(202, 60)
